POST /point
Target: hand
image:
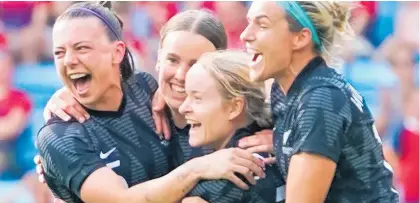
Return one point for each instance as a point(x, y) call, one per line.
point(64, 105)
point(260, 142)
point(223, 164)
point(39, 169)
point(193, 200)
point(159, 115)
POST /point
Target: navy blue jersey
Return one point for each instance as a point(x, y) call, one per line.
point(181, 150)
point(323, 114)
point(123, 140)
point(267, 190)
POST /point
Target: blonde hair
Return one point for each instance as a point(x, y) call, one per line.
point(231, 71)
point(331, 22)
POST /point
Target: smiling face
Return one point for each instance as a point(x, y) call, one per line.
point(179, 51)
point(205, 109)
point(86, 60)
point(268, 38)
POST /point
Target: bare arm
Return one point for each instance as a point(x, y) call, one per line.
point(12, 124)
point(175, 185)
point(309, 186)
point(169, 188)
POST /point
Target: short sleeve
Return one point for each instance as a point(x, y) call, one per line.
point(322, 118)
point(218, 191)
point(68, 156)
point(150, 80)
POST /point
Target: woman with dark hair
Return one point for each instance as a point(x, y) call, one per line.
point(117, 146)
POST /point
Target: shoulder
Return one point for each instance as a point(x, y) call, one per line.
point(67, 132)
point(146, 79)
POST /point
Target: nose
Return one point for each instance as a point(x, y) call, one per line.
point(70, 59)
point(185, 107)
point(181, 72)
point(247, 35)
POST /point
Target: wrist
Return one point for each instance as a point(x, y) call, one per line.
point(196, 168)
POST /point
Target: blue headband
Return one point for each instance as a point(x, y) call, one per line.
point(297, 12)
point(100, 17)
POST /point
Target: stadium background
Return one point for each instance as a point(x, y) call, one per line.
point(381, 62)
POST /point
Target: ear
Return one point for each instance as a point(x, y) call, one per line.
point(119, 52)
point(302, 39)
point(236, 107)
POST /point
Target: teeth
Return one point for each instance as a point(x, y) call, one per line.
point(259, 58)
point(178, 89)
point(77, 75)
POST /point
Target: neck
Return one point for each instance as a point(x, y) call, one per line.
point(179, 119)
point(111, 101)
point(235, 126)
point(288, 76)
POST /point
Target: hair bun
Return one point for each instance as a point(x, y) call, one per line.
point(106, 4)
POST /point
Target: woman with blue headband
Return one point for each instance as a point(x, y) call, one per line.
point(325, 141)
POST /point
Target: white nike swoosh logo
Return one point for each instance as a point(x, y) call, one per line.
point(106, 155)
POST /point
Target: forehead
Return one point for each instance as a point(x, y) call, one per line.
point(198, 79)
point(270, 9)
point(77, 29)
point(186, 44)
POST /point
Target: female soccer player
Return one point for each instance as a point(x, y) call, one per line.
point(117, 147)
point(325, 141)
point(223, 105)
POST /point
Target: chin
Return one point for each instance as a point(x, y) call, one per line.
point(195, 143)
point(257, 76)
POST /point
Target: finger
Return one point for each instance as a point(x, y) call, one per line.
point(264, 132)
point(237, 181)
point(166, 128)
point(79, 108)
point(270, 160)
point(39, 170)
point(58, 201)
point(158, 122)
point(246, 155)
point(47, 114)
point(246, 172)
point(41, 178)
point(37, 159)
point(58, 111)
point(261, 148)
point(74, 112)
point(61, 114)
point(250, 141)
point(158, 103)
point(251, 165)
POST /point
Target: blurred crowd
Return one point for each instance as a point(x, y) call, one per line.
point(381, 62)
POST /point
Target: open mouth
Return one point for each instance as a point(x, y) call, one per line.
point(257, 58)
point(194, 124)
point(81, 82)
point(178, 89)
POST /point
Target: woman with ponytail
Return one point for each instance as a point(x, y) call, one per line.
point(325, 140)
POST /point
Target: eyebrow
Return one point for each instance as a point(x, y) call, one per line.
point(75, 44)
point(260, 16)
point(173, 55)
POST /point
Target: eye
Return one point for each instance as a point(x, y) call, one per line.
point(82, 48)
point(58, 53)
point(172, 60)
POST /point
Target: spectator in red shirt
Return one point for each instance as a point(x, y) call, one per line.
point(402, 151)
point(233, 16)
point(14, 112)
